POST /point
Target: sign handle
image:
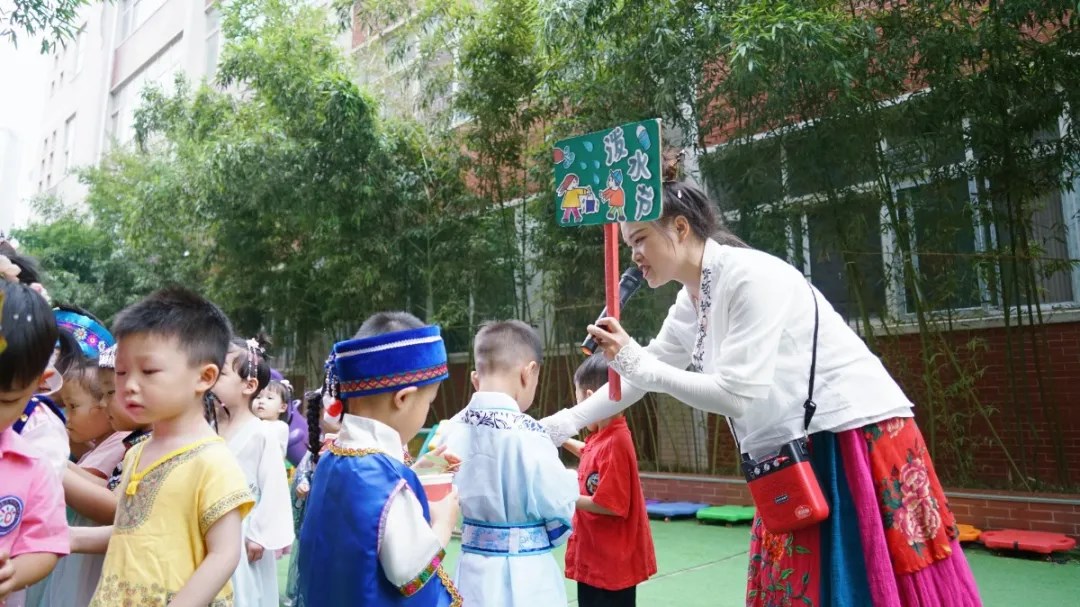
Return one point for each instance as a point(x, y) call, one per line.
point(611, 293)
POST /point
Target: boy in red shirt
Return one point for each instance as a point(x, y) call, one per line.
point(611, 550)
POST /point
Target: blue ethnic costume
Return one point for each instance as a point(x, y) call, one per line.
point(366, 537)
point(517, 499)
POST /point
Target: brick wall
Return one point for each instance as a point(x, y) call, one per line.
point(1025, 419)
point(1037, 426)
point(983, 509)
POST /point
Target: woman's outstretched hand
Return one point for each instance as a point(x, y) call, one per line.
point(610, 336)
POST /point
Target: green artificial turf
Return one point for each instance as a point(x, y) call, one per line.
point(705, 566)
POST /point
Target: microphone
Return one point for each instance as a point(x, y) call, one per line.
point(628, 285)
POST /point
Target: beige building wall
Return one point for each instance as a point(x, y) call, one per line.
point(95, 83)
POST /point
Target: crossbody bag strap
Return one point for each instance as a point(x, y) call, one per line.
point(809, 407)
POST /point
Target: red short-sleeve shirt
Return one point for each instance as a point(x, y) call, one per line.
point(611, 552)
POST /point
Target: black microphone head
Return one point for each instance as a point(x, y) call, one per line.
point(629, 284)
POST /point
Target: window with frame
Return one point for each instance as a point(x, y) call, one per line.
point(49, 164)
point(1046, 238)
point(213, 41)
point(123, 102)
point(69, 141)
point(80, 50)
point(133, 13)
point(815, 196)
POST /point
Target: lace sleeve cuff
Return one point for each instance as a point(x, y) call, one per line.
point(628, 361)
point(559, 427)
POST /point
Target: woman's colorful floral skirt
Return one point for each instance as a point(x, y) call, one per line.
point(890, 539)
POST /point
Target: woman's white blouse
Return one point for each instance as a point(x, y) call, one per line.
point(747, 341)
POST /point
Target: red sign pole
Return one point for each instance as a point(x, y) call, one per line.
point(611, 292)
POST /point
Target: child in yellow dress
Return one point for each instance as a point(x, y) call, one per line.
point(182, 495)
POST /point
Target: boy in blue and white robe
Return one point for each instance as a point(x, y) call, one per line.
point(516, 496)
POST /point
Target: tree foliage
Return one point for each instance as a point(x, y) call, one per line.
point(284, 195)
point(909, 156)
point(944, 129)
point(82, 263)
point(56, 22)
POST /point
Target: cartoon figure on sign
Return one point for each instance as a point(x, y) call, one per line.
point(614, 196)
point(573, 198)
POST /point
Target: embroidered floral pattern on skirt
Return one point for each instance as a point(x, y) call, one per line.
point(789, 568)
point(783, 567)
point(918, 522)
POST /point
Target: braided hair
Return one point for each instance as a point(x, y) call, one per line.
point(210, 403)
point(313, 401)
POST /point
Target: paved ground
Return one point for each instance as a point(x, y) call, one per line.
point(705, 566)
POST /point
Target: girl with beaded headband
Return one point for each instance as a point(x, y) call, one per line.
point(74, 425)
point(268, 528)
point(370, 535)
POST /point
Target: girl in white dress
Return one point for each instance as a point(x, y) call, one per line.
point(268, 528)
point(272, 407)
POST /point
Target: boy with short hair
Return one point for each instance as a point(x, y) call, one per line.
point(516, 496)
point(370, 536)
point(182, 496)
point(611, 551)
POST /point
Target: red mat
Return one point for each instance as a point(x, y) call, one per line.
point(1032, 541)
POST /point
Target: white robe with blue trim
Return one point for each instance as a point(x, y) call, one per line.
point(510, 475)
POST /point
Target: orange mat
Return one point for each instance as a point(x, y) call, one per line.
point(968, 533)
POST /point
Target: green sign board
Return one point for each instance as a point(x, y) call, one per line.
point(608, 176)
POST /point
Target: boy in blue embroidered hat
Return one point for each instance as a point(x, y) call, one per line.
point(516, 496)
point(370, 537)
